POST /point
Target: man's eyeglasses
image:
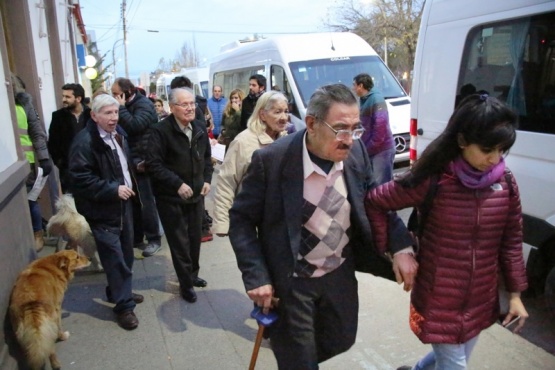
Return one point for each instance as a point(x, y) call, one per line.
point(186, 105)
point(342, 135)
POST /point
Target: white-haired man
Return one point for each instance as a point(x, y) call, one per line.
point(102, 184)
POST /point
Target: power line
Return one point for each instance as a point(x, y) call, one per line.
point(211, 32)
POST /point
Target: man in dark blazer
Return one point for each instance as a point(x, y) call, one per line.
point(299, 230)
point(66, 123)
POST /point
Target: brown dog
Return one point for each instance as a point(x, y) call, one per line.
point(36, 305)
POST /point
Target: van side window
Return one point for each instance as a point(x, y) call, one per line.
point(515, 62)
point(280, 82)
point(236, 78)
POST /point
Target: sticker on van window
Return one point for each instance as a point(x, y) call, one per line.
point(302, 69)
point(340, 58)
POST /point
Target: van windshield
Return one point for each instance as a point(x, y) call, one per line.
point(312, 74)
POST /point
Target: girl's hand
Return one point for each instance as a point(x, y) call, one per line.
point(516, 308)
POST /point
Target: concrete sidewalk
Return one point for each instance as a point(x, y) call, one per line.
point(217, 333)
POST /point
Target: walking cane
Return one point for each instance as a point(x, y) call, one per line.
point(263, 321)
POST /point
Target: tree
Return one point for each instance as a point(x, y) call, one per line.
point(389, 26)
point(184, 58)
point(187, 57)
point(103, 73)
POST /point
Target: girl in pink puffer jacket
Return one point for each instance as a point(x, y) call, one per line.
point(472, 234)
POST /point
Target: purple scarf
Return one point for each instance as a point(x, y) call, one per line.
point(473, 178)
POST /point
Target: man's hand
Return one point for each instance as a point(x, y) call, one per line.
point(405, 268)
point(185, 191)
point(46, 166)
point(125, 193)
point(262, 297)
point(120, 98)
point(141, 168)
point(205, 189)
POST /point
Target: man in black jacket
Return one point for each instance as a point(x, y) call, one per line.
point(180, 166)
point(257, 87)
point(200, 115)
point(136, 116)
point(66, 123)
point(100, 170)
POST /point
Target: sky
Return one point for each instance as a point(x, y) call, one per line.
point(205, 25)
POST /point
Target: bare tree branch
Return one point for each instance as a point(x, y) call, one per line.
point(396, 21)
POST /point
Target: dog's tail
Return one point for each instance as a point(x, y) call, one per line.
point(36, 333)
point(66, 203)
point(65, 211)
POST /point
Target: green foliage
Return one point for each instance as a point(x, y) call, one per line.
point(103, 73)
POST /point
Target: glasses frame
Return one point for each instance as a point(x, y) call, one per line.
point(351, 133)
point(187, 105)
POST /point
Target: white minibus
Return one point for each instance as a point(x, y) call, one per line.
point(298, 64)
point(506, 48)
point(198, 76)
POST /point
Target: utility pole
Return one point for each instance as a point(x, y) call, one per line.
point(124, 37)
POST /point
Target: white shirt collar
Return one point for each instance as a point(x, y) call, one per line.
point(105, 134)
point(309, 167)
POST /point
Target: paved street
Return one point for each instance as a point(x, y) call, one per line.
point(216, 333)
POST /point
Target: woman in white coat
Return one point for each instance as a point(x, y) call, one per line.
point(267, 123)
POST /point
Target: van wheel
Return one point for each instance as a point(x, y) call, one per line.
point(550, 291)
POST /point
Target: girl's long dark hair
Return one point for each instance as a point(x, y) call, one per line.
point(481, 120)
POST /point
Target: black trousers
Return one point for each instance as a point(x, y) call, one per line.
point(145, 214)
point(318, 319)
point(115, 249)
point(182, 225)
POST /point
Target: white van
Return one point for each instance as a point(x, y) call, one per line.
point(198, 76)
point(506, 48)
point(298, 64)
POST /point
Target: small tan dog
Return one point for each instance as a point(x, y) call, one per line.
point(36, 305)
point(69, 223)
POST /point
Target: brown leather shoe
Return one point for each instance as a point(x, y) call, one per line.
point(127, 320)
point(137, 298)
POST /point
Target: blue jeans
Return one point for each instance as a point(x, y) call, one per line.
point(447, 356)
point(36, 216)
point(115, 249)
point(34, 207)
point(382, 166)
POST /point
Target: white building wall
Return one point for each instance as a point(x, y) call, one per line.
point(66, 46)
point(8, 149)
point(43, 61)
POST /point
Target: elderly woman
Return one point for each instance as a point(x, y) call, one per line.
point(267, 123)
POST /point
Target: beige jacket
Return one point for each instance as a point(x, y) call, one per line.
point(232, 171)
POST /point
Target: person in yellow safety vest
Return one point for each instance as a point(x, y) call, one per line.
point(33, 141)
